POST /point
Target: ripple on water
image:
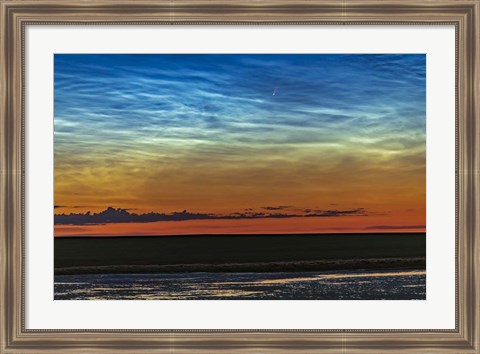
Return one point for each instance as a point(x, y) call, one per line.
point(353, 285)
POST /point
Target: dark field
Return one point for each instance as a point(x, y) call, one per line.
point(238, 253)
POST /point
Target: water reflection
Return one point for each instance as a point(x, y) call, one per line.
point(351, 285)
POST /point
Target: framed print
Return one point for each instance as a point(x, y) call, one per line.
point(239, 238)
point(234, 177)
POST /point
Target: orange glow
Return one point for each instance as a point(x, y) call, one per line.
point(248, 226)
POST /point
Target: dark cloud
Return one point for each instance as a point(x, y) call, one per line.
point(116, 215)
point(335, 212)
point(280, 207)
point(119, 215)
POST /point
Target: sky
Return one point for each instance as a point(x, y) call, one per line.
point(162, 144)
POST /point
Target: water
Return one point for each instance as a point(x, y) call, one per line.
point(350, 285)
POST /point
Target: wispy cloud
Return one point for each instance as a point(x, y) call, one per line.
point(135, 100)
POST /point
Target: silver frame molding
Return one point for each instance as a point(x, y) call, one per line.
point(15, 15)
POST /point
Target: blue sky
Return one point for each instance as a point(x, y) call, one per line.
point(228, 96)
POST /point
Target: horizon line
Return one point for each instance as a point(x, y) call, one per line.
point(247, 234)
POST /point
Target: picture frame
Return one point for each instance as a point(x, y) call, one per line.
point(16, 15)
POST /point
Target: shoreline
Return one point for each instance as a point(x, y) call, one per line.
point(255, 267)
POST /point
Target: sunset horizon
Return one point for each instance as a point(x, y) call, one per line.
point(121, 222)
point(163, 144)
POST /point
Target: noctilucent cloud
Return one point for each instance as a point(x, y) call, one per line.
point(248, 143)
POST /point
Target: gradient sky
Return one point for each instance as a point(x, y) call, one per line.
point(239, 143)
